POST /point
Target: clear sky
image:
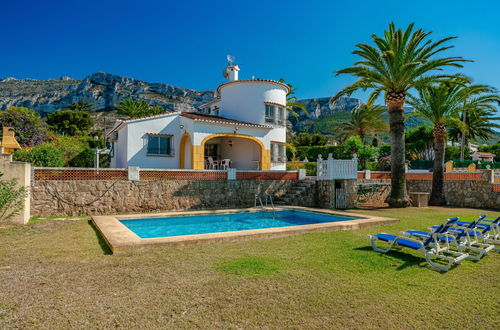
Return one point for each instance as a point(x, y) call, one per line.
point(185, 43)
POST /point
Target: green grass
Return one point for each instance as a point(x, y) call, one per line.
point(60, 275)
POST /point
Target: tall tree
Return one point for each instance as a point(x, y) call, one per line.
point(81, 105)
point(138, 108)
point(70, 122)
point(399, 61)
point(366, 120)
point(441, 104)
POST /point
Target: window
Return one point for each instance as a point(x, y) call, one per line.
point(278, 152)
point(281, 116)
point(160, 145)
point(270, 113)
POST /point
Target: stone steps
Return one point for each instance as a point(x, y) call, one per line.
point(294, 193)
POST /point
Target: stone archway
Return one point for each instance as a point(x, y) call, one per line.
point(199, 151)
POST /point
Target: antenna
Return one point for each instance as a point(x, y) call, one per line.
point(230, 60)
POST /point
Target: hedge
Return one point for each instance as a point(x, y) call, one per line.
point(311, 153)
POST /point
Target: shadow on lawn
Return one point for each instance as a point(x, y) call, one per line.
point(407, 259)
point(102, 243)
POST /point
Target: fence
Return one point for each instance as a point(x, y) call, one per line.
point(136, 173)
point(333, 169)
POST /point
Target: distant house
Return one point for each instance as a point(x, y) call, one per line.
point(483, 156)
point(243, 127)
point(8, 141)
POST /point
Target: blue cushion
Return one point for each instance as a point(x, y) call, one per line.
point(400, 241)
point(418, 233)
point(444, 238)
point(409, 244)
point(386, 237)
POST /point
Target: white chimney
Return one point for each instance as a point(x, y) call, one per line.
point(233, 72)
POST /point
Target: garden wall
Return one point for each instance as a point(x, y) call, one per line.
point(98, 197)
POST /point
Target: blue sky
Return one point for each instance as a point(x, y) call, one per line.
point(185, 43)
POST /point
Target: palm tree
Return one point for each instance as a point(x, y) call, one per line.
point(291, 100)
point(477, 124)
point(138, 108)
point(441, 104)
point(366, 120)
point(400, 61)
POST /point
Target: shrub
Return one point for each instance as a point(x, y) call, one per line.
point(310, 167)
point(44, 155)
point(384, 150)
point(29, 128)
point(311, 153)
point(309, 139)
point(11, 199)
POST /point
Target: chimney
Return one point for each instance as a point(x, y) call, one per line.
point(233, 72)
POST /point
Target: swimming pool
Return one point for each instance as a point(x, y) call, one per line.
point(142, 231)
point(205, 224)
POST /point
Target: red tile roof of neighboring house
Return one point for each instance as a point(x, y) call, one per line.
point(485, 154)
point(217, 119)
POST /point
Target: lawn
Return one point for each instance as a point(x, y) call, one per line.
point(59, 274)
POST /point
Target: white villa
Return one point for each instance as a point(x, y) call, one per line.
point(243, 127)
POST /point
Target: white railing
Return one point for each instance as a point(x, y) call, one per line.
point(333, 169)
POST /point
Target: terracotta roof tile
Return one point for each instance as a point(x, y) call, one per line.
point(217, 119)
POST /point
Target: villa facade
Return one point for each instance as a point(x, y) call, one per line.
point(243, 127)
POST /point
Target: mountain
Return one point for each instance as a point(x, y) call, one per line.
point(104, 90)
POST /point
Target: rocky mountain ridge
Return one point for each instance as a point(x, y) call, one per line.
point(104, 90)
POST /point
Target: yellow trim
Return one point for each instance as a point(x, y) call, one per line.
point(198, 159)
point(182, 148)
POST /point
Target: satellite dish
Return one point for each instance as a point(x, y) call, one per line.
point(230, 59)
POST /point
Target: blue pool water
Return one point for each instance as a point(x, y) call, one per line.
point(204, 224)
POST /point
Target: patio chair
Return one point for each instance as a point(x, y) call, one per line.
point(459, 237)
point(212, 164)
point(488, 231)
point(429, 247)
point(225, 164)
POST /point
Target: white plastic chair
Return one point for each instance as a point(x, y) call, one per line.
point(225, 164)
point(212, 164)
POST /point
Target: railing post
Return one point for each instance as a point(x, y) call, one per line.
point(302, 174)
point(134, 173)
point(231, 174)
point(368, 174)
point(330, 167)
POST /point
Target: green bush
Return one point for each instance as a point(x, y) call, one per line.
point(311, 153)
point(310, 167)
point(384, 150)
point(43, 155)
point(11, 199)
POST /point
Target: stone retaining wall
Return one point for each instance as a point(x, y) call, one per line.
point(61, 198)
point(462, 193)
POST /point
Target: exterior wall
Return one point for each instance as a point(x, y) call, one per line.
point(59, 198)
point(120, 153)
point(245, 100)
point(22, 173)
point(137, 142)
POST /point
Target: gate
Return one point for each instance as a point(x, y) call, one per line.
point(340, 198)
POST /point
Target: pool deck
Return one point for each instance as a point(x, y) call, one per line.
point(120, 239)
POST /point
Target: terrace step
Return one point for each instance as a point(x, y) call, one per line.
point(294, 193)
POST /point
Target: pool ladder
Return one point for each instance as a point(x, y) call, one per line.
point(268, 198)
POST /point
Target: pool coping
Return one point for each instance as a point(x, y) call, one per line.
point(120, 239)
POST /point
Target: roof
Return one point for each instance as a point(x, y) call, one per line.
point(485, 154)
point(254, 80)
point(120, 123)
point(222, 120)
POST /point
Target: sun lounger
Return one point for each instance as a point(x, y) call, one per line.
point(430, 247)
point(463, 238)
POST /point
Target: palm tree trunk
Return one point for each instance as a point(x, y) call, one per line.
point(437, 192)
point(398, 196)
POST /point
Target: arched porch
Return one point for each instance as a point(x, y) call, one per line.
point(245, 152)
point(186, 152)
